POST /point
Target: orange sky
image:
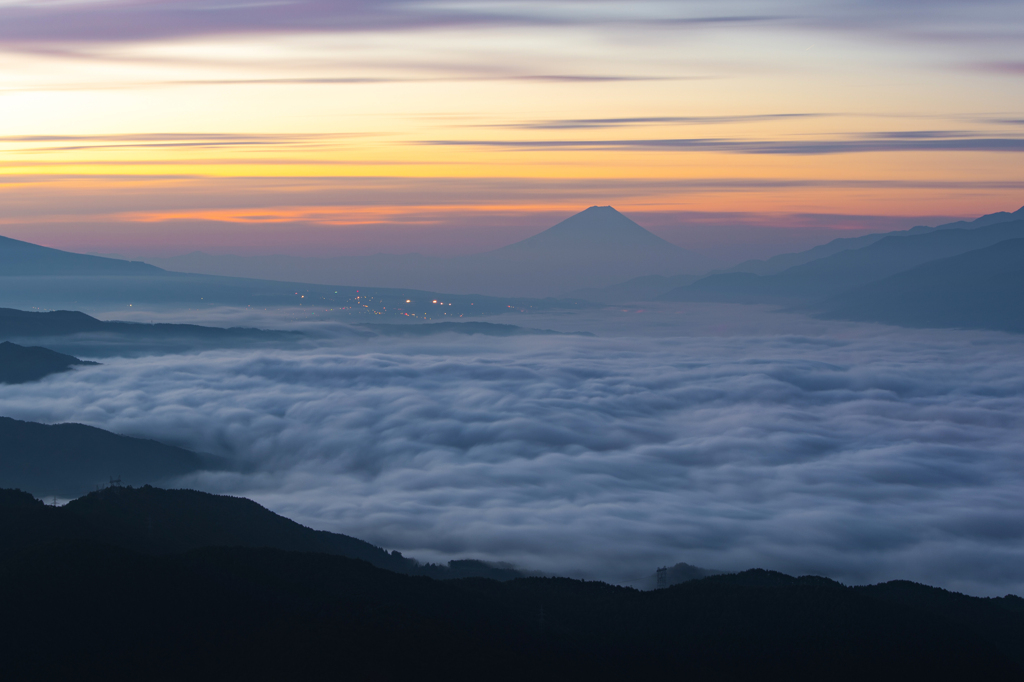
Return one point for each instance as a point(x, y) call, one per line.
point(447, 127)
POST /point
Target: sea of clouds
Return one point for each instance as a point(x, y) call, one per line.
point(862, 453)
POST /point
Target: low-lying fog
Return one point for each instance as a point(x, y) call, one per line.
point(723, 436)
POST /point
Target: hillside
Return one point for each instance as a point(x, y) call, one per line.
point(846, 270)
point(18, 258)
point(980, 289)
point(19, 365)
point(77, 607)
point(784, 261)
point(68, 460)
point(157, 521)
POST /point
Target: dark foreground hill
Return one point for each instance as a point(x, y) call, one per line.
point(156, 521)
point(83, 609)
point(19, 365)
point(982, 289)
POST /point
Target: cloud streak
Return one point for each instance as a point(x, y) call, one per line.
point(858, 453)
point(882, 142)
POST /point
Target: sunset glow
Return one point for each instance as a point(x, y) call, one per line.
point(497, 116)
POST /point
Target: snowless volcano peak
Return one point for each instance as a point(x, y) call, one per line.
point(598, 227)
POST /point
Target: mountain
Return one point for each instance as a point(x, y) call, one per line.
point(22, 258)
point(594, 248)
point(846, 270)
point(75, 331)
point(52, 279)
point(980, 289)
point(155, 521)
point(66, 460)
point(19, 365)
point(785, 261)
point(76, 605)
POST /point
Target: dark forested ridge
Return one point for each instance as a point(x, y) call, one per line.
point(74, 605)
point(19, 365)
point(157, 521)
point(67, 460)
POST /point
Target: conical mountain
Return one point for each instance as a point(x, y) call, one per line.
point(595, 229)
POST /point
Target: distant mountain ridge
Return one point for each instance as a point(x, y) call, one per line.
point(19, 365)
point(74, 331)
point(18, 258)
point(777, 264)
point(847, 269)
point(596, 247)
point(980, 289)
point(48, 278)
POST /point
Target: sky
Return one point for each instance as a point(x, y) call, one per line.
point(323, 127)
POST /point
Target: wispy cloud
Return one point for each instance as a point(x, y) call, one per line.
point(880, 142)
point(163, 140)
point(590, 123)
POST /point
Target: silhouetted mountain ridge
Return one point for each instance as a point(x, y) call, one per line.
point(845, 270)
point(157, 521)
point(596, 247)
point(68, 460)
point(19, 365)
point(81, 607)
point(980, 289)
point(784, 261)
point(18, 258)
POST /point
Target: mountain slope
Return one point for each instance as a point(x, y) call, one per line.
point(785, 261)
point(18, 258)
point(19, 365)
point(86, 610)
point(981, 289)
point(70, 459)
point(846, 270)
point(155, 521)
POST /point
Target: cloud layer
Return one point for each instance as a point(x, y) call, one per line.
point(857, 453)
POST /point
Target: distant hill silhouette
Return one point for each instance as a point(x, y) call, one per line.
point(72, 330)
point(82, 608)
point(981, 289)
point(33, 276)
point(846, 270)
point(23, 258)
point(68, 460)
point(19, 365)
point(594, 248)
point(784, 261)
